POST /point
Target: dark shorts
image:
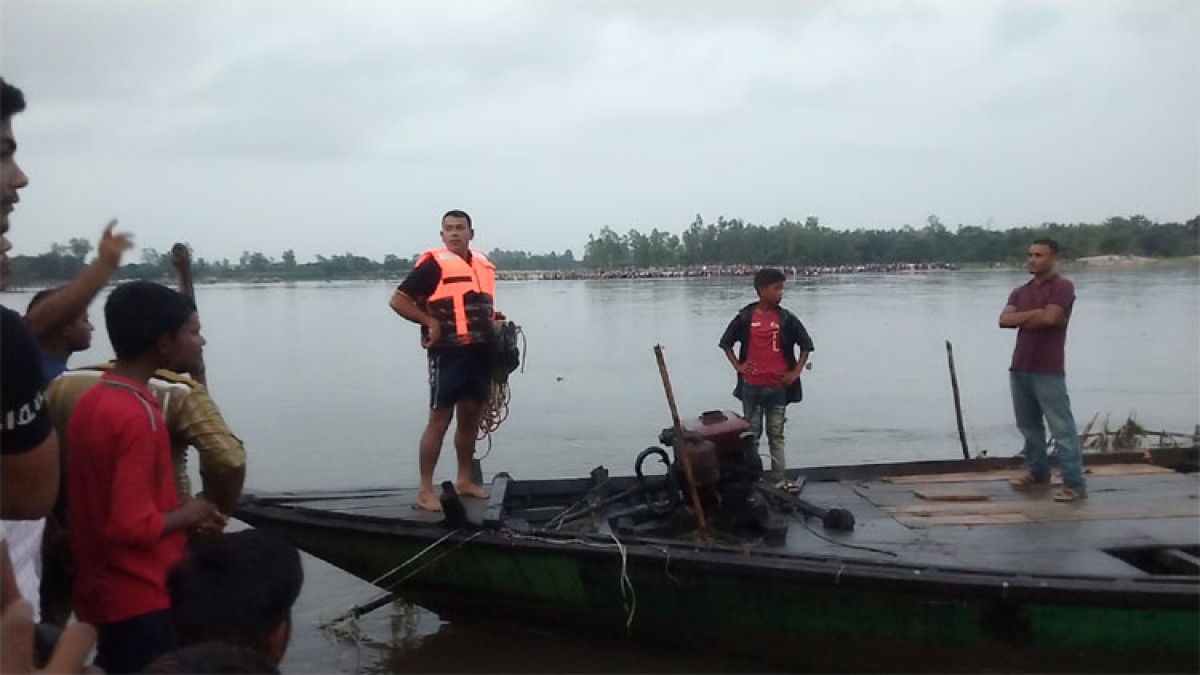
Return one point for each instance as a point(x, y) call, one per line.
point(457, 374)
point(129, 646)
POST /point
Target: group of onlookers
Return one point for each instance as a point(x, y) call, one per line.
point(99, 518)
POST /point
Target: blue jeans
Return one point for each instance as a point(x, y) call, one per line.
point(1036, 396)
point(769, 403)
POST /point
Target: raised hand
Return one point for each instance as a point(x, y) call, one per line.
point(113, 245)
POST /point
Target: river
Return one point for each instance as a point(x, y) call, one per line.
point(327, 387)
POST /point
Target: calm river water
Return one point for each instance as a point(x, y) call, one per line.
point(326, 386)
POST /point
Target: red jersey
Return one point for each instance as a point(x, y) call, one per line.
point(119, 485)
point(763, 351)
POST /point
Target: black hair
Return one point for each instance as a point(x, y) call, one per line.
point(1047, 241)
point(767, 276)
point(212, 657)
point(455, 213)
point(12, 101)
point(235, 588)
point(138, 313)
point(40, 296)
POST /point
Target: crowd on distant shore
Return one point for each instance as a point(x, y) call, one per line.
point(725, 271)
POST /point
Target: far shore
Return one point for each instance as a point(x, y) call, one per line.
point(699, 271)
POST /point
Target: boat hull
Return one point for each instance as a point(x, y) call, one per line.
point(806, 613)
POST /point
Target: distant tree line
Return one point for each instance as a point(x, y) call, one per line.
point(725, 242)
point(63, 262)
point(734, 241)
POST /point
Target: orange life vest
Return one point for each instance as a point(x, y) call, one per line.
point(462, 301)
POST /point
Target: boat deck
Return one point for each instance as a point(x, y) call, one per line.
point(1148, 514)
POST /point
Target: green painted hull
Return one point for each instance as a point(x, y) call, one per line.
point(813, 615)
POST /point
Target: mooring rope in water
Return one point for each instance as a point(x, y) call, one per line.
point(390, 590)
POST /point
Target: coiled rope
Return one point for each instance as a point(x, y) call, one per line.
point(495, 410)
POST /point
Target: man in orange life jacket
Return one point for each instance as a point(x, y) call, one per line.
point(450, 292)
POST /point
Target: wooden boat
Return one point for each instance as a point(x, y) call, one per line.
point(944, 566)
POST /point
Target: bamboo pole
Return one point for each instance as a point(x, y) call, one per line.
point(681, 456)
point(962, 434)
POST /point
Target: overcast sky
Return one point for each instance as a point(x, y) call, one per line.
point(331, 127)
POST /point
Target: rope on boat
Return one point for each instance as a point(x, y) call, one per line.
point(808, 526)
point(630, 602)
point(628, 594)
point(495, 409)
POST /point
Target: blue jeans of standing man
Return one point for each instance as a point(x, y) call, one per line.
point(1036, 396)
point(769, 403)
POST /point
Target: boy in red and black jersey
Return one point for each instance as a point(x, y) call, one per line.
point(767, 365)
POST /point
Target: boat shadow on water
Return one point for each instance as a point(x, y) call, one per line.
point(917, 566)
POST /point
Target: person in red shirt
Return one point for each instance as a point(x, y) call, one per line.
point(767, 365)
point(126, 522)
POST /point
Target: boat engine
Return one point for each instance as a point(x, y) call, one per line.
point(725, 467)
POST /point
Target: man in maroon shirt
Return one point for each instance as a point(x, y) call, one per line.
point(126, 522)
point(1039, 311)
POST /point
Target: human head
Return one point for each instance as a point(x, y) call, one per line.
point(237, 588)
point(75, 336)
point(457, 231)
point(149, 320)
point(212, 657)
point(768, 283)
point(1042, 257)
point(12, 179)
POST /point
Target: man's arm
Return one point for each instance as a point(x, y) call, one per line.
point(1050, 316)
point(223, 487)
point(222, 456)
point(741, 368)
point(62, 306)
point(406, 307)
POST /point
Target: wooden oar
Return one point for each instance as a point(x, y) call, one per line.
point(962, 434)
point(181, 260)
point(680, 443)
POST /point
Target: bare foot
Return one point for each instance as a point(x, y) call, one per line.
point(428, 501)
point(470, 490)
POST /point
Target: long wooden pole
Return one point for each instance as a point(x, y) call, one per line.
point(181, 260)
point(962, 434)
point(679, 444)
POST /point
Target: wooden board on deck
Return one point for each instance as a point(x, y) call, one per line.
point(952, 495)
point(1006, 474)
point(918, 520)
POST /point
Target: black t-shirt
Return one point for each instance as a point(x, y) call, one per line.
point(24, 417)
point(422, 281)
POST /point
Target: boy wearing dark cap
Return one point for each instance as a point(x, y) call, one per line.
point(126, 522)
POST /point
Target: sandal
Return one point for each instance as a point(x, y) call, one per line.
point(1028, 481)
point(788, 486)
point(1070, 494)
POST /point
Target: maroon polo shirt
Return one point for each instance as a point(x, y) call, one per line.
point(1041, 350)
